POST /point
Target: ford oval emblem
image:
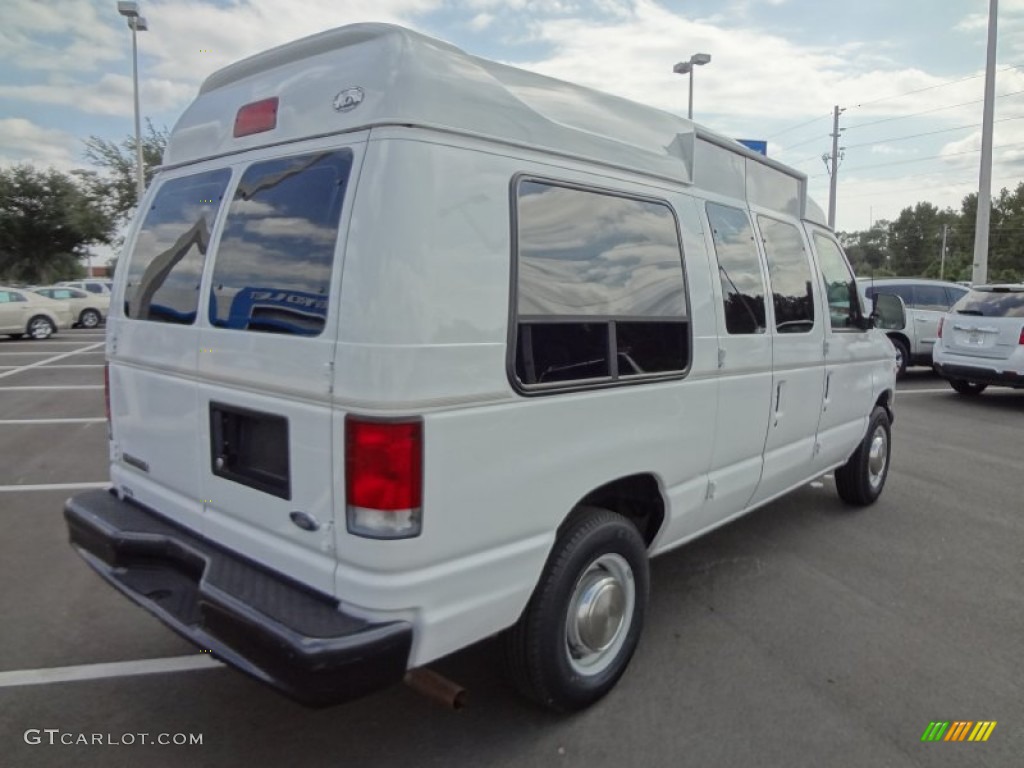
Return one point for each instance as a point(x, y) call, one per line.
point(305, 521)
point(349, 99)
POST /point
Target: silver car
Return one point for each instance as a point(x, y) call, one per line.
point(981, 340)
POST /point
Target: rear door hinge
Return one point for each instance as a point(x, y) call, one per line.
point(721, 357)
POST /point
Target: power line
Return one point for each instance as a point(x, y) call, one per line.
point(794, 127)
point(925, 112)
point(970, 182)
point(928, 133)
point(932, 87)
point(920, 159)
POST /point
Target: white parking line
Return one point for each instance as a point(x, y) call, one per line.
point(901, 392)
point(51, 386)
point(19, 422)
point(53, 343)
point(110, 669)
point(49, 359)
point(49, 367)
point(52, 487)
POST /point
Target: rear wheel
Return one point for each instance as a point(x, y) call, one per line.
point(582, 624)
point(40, 328)
point(89, 318)
point(967, 387)
point(902, 355)
point(860, 481)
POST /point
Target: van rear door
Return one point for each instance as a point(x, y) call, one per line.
point(266, 357)
point(153, 343)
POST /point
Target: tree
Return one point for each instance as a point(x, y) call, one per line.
point(115, 189)
point(46, 223)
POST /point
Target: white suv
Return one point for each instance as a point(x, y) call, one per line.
point(981, 340)
point(926, 302)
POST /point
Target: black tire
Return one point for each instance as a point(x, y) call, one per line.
point(40, 328)
point(538, 650)
point(902, 355)
point(969, 388)
point(860, 481)
point(89, 318)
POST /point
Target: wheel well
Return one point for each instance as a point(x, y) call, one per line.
point(901, 337)
point(885, 400)
point(636, 497)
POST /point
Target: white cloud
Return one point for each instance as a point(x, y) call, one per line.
point(22, 141)
point(110, 95)
point(481, 21)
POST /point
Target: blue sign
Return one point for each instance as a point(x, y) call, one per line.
point(759, 146)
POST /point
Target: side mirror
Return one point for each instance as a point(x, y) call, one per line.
point(889, 313)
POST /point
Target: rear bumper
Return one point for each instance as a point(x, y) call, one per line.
point(983, 374)
point(275, 630)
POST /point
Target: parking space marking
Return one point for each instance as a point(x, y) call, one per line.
point(48, 360)
point(923, 391)
point(22, 677)
point(52, 487)
point(52, 367)
point(17, 422)
point(32, 388)
point(54, 343)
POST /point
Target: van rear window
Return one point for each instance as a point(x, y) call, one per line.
point(272, 271)
point(166, 264)
point(991, 303)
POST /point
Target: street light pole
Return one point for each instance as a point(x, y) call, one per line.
point(136, 24)
point(686, 68)
point(979, 273)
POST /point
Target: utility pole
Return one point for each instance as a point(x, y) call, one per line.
point(979, 274)
point(833, 169)
point(942, 262)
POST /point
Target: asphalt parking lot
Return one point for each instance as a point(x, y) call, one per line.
point(805, 634)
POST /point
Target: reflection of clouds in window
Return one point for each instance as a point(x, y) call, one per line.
point(278, 244)
point(166, 264)
point(584, 253)
point(739, 269)
point(789, 271)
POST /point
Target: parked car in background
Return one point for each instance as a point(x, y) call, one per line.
point(27, 313)
point(87, 309)
point(96, 286)
point(926, 302)
point(981, 340)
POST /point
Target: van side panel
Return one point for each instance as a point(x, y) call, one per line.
point(501, 470)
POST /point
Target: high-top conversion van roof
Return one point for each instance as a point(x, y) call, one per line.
point(409, 348)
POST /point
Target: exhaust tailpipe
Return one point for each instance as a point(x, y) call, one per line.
point(436, 687)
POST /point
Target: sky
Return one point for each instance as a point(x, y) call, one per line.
point(909, 74)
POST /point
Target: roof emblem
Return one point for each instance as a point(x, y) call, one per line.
point(349, 99)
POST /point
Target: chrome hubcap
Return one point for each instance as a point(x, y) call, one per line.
point(599, 615)
point(89, 320)
point(40, 329)
point(878, 455)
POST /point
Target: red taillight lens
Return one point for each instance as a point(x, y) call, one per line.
point(257, 117)
point(1021, 339)
point(384, 477)
point(941, 319)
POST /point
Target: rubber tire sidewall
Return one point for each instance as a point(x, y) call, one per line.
point(91, 313)
point(968, 388)
point(544, 672)
point(905, 352)
point(852, 481)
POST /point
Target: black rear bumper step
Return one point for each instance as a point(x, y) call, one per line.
point(255, 619)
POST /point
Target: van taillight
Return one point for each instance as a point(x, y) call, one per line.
point(1021, 339)
point(940, 326)
point(384, 478)
point(257, 117)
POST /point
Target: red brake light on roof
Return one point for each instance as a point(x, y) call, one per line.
point(257, 117)
point(384, 478)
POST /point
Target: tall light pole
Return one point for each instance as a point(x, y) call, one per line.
point(130, 10)
point(979, 273)
point(686, 68)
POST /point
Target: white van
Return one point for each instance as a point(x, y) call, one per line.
point(409, 348)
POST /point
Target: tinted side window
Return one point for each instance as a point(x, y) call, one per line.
point(840, 286)
point(739, 269)
point(273, 267)
point(790, 275)
point(166, 265)
point(4, 297)
point(93, 288)
point(600, 289)
point(15, 296)
point(954, 295)
point(931, 297)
